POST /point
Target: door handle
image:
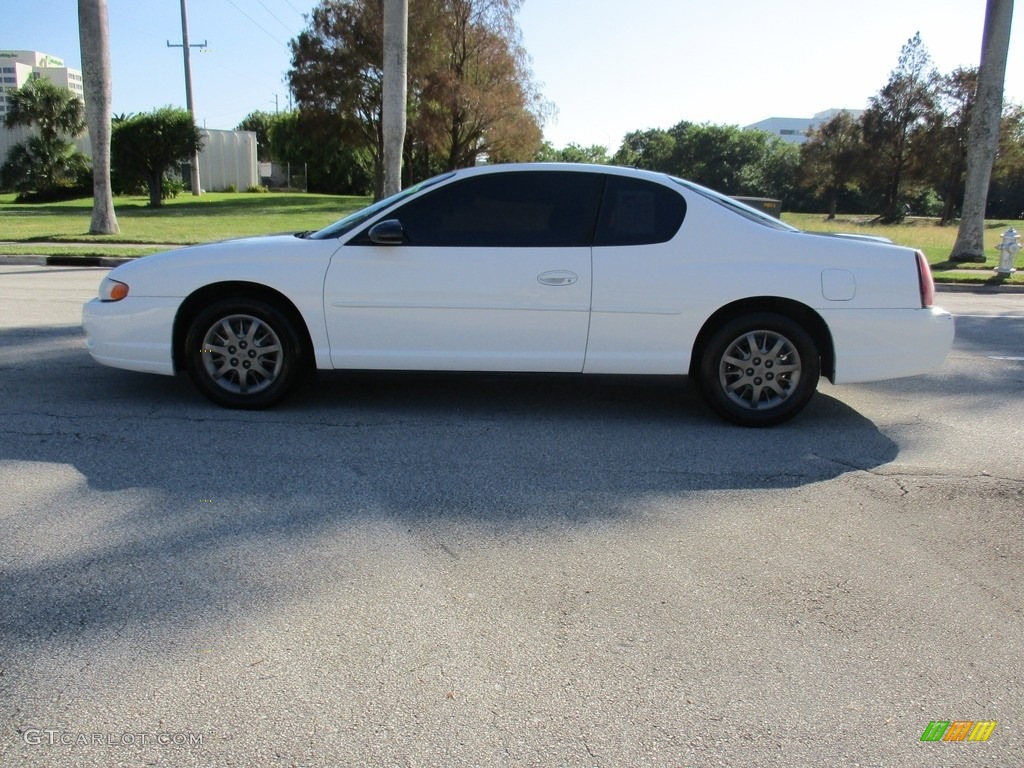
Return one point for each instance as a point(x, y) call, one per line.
point(560, 277)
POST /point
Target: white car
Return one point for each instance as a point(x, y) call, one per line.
point(538, 267)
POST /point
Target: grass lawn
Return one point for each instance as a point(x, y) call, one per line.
point(47, 229)
point(934, 241)
point(183, 220)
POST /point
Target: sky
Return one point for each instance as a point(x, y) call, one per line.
point(608, 66)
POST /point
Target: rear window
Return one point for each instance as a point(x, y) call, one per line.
point(754, 215)
point(638, 212)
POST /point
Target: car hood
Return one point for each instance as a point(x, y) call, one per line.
point(257, 241)
point(283, 245)
point(257, 259)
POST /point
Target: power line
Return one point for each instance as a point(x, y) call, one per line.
point(275, 17)
point(250, 18)
point(295, 9)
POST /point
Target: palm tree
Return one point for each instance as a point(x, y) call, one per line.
point(56, 113)
point(95, 42)
point(396, 45)
point(984, 132)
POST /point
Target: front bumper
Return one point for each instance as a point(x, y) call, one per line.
point(135, 333)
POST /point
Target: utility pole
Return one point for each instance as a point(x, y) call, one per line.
point(196, 186)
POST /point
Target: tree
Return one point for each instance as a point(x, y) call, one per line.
point(44, 172)
point(892, 119)
point(940, 157)
point(96, 79)
point(337, 79)
point(56, 112)
point(573, 153)
point(712, 155)
point(333, 166)
point(393, 94)
point(732, 160)
point(1006, 193)
point(470, 91)
point(651, 150)
point(773, 171)
point(984, 132)
point(829, 158)
point(478, 96)
point(260, 123)
point(48, 160)
point(145, 146)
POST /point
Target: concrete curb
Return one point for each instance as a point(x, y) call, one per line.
point(976, 288)
point(29, 259)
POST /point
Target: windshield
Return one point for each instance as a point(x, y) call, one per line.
point(736, 207)
point(346, 225)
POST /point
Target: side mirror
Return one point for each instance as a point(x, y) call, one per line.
point(388, 232)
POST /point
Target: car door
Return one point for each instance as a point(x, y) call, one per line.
point(493, 272)
point(637, 324)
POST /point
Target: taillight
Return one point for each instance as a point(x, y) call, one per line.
point(926, 281)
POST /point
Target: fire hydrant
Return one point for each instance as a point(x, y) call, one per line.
point(1008, 249)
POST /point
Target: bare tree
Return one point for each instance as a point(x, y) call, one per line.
point(95, 41)
point(984, 134)
point(396, 58)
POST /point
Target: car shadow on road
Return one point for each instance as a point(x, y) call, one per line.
point(142, 493)
point(121, 429)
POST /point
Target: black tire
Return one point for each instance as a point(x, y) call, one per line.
point(759, 369)
point(243, 353)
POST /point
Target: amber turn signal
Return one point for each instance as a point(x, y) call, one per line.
point(112, 290)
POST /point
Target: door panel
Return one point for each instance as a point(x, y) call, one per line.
point(640, 282)
point(493, 273)
point(466, 309)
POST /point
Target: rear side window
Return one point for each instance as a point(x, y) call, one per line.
point(527, 209)
point(638, 212)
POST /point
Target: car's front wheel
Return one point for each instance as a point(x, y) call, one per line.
point(759, 369)
point(242, 353)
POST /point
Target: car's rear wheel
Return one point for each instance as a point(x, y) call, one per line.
point(243, 353)
point(759, 369)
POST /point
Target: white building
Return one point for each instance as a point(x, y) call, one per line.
point(18, 67)
point(796, 129)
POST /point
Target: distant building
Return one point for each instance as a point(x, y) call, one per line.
point(796, 129)
point(18, 67)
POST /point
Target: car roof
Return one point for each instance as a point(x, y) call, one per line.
point(570, 167)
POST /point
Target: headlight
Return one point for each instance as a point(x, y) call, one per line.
point(112, 290)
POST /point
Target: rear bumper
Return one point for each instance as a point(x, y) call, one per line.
point(877, 344)
point(135, 334)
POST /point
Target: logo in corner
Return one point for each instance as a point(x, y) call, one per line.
point(958, 730)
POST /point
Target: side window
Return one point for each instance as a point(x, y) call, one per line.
point(519, 209)
point(637, 212)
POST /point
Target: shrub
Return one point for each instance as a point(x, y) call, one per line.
point(171, 187)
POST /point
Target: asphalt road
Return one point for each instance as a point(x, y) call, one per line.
point(418, 570)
